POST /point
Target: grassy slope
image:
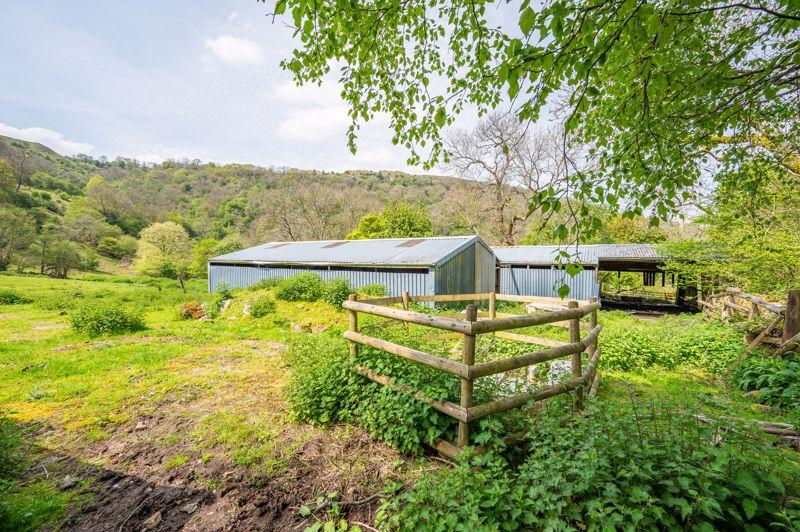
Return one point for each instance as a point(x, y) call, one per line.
point(219, 382)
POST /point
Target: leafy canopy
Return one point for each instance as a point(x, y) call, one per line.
point(654, 89)
point(397, 220)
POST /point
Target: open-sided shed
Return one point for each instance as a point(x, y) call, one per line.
point(534, 270)
point(422, 266)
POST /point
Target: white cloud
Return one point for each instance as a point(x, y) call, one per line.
point(235, 51)
point(52, 139)
point(233, 16)
point(315, 123)
point(325, 95)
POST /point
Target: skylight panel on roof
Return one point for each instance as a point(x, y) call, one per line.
point(411, 243)
point(278, 245)
point(335, 244)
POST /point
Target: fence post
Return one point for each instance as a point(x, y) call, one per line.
point(406, 299)
point(577, 372)
point(791, 320)
point(466, 384)
point(352, 325)
point(492, 306)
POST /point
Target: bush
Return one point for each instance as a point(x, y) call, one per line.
point(627, 349)
point(777, 380)
point(336, 291)
point(191, 310)
point(218, 299)
point(10, 297)
point(635, 467)
point(261, 306)
point(265, 284)
point(98, 320)
point(302, 287)
point(374, 290)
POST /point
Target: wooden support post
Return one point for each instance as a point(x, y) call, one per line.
point(492, 306)
point(791, 320)
point(352, 325)
point(577, 372)
point(406, 305)
point(466, 384)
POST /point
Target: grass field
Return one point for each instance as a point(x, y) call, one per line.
point(185, 424)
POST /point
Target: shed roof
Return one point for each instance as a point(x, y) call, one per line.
point(589, 254)
point(430, 251)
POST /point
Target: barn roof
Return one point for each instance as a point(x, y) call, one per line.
point(589, 254)
point(402, 252)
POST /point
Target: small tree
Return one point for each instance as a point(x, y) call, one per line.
point(164, 251)
point(17, 232)
point(6, 176)
point(207, 248)
point(62, 256)
point(397, 220)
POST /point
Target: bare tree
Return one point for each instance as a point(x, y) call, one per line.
point(506, 164)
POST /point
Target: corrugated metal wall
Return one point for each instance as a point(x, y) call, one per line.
point(457, 275)
point(485, 269)
point(244, 276)
point(545, 282)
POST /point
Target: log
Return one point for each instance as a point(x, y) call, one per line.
point(466, 383)
point(440, 363)
point(383, 300)
point(577, 372)
point(445, 298)
point(507, 364)
point(595, 385)
point(791, 320)
point(755, 300)
point(529, 339)
point(352, 323)
point(763, 334)
point(736, 306)
point(447, 448)
point(445, 407)
point(428, 320)
point(787, 346)
point(517, 322)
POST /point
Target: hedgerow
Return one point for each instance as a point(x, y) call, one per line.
point(633, 467)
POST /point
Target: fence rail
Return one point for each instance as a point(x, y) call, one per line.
point(467, 369)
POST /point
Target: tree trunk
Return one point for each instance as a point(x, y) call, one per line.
point(183, 286)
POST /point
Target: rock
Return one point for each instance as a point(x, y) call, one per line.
point(153, 521)
point(205, 318)
point(225, 305)
point(246, 311)
point(753, 393)
point(68, 482)
point(140, 426)
point(189, 508)
point(319, 328)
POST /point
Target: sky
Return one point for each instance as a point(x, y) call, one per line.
point(156, 80)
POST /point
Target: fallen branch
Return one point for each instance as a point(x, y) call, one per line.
point(787, 346)
point(784, 432)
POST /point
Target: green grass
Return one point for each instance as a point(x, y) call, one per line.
point(88, 389)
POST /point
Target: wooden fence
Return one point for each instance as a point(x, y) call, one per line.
point(583, 380)
point(733, 302)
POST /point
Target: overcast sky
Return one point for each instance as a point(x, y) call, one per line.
point(155, 80)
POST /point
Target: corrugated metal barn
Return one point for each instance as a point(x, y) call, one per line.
point(533, 270)
point(422, 266)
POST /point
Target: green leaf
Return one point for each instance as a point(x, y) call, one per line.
point(526, 20)
point(750, 506)
point(441, 117)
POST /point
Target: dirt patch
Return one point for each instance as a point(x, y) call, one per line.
point(136, 490)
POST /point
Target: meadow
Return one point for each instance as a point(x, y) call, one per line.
point(245, 421)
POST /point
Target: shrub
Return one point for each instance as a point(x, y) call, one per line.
point(98, 320)
point(265, 284)
point(10, 297)
point(335, 292)
point(302, 287)
point(777, 380)
point(633, 467)
point(374, 290)
point(261, 306)
point(191, 310)
point(218, 299)
point(709, 345)
point(627, 349)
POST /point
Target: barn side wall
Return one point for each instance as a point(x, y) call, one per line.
point(457, 275)
point(243, 276)
point(545, 282)
point(485, 269)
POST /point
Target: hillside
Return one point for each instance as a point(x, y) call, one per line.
point(248, 202)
